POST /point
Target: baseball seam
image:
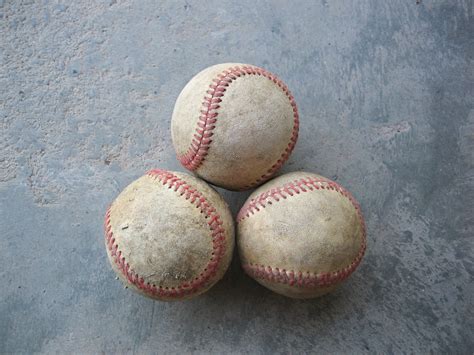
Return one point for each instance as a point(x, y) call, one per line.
point(214, 222)
point(201, 141)
point(305, 279)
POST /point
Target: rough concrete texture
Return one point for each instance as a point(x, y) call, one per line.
point(385, 91)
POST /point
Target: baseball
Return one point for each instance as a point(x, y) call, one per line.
point(169, 236)
point(300, 235)
point(234, 125)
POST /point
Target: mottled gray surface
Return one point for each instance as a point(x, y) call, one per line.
point(385, 91)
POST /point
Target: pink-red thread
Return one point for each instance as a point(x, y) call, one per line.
point(301, 278)
point(214, 222)
point(202, 138)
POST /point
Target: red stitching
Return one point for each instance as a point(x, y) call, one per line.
point(217, 233)
point(202, 140)
point(299, 278)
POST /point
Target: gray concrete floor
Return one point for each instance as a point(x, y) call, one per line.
point(385, 91)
